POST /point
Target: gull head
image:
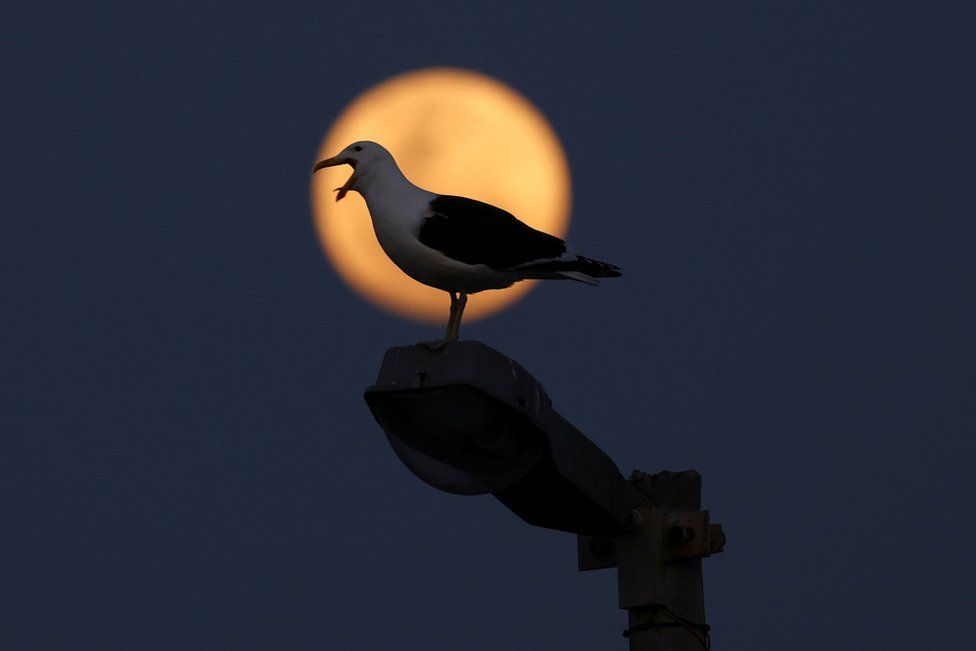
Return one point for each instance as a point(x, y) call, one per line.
point(363, 156)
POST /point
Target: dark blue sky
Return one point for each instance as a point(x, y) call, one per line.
point(187, 462)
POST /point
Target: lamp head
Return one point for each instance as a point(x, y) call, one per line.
point(468, 420)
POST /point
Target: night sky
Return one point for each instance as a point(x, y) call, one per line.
point(186, 461)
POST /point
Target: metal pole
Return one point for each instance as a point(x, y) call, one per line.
point(658, 562)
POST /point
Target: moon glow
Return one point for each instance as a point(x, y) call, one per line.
point(451, 131)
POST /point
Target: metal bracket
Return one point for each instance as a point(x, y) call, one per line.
point(688, 534)
point(684, 534)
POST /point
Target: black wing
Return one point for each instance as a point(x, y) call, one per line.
point(479, 233)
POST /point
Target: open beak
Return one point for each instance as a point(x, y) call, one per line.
point(332, 162)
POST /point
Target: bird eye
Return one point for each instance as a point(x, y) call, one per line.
point(357, 148)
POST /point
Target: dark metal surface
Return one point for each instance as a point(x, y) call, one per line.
point(467, 419)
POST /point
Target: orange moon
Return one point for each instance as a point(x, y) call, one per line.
point(451, 131)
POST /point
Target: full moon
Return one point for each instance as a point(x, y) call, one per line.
point(452, 132)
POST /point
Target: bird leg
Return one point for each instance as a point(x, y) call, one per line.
point(461, 302)
point(454, 322)
point(450, 320)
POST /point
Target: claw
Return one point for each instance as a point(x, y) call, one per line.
point(342, 193)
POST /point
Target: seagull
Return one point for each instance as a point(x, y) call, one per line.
point(459, 245)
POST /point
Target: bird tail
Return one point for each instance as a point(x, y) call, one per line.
point(597, 269)
point(582, 269)
point(578, 276)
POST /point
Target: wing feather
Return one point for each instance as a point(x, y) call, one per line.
point(475, 232)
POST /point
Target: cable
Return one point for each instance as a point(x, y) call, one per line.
point(704, 638)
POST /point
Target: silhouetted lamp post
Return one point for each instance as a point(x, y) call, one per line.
point(468, 420)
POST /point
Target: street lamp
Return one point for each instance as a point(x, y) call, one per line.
point(468, 420)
